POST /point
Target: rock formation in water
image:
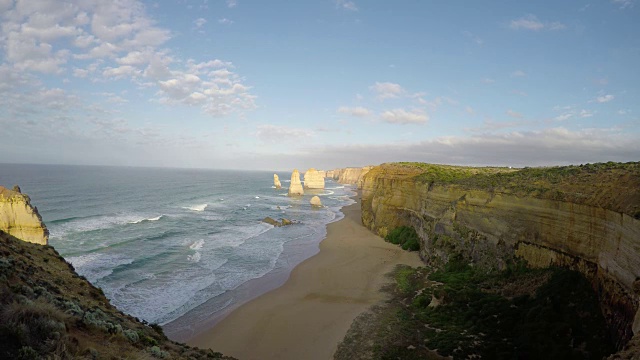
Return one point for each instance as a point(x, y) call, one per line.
point(276, 223)
point(585, 218)
point(315, 202)
point(329, 174)
point(295, 187)
point(323, 174)
point(313, 179)
point(18, 218)
point(276, 181)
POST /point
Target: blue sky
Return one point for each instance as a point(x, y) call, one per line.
point(327, 83)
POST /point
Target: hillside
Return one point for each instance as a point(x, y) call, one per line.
point(48, 311)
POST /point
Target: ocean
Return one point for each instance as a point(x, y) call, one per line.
point(176, 246)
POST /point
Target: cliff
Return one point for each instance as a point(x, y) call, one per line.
point(18, 218)
point(313, 179)
point(352, 176)
point(49, 311)
point(585, 218)
point(295, 187)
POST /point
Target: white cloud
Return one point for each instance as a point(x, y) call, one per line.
point(225, 21)
point(401, 116)
point(552, 146)
point(564, 117)
point(103, 41)
point(604, 98)
point(347, 5)
point(585, 113)
point(623, 4)
point(531, 22)
point(199, 22)
point(358, 111)
point(278, 134)
point(232, 3)
point(514, 114)
point(518, 73)
point(387, 90)
point(488, 80)
point(473, 37)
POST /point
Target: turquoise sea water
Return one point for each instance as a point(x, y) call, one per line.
point(163, 243)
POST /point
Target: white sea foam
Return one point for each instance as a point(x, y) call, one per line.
point(60, 230)
point(200, 207)
point(195, 257)
point(197, 245)
point(257, 197)
point(149, 219)
point(96, 266)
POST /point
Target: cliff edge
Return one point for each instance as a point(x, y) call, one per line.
point(18, 218)
point(586, 218)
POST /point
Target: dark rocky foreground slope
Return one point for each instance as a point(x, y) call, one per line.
point(583, 218)
point(48, 311)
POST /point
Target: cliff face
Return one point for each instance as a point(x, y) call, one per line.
point(20, 219)
point(353, 176)
point(581, 218)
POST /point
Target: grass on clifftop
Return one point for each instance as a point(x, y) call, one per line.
point(609, 185)
point(461, 312)
point(48, 311)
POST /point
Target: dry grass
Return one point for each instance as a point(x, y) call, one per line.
point(48, 311)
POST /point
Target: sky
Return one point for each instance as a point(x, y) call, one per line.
point(277, 85)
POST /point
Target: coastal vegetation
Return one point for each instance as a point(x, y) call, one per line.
point(48, 311)
point(405, 236)
point(572, 183)
point(463, 312)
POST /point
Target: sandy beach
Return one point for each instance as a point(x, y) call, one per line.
point(310, 314)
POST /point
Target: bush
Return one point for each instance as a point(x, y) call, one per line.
point(405, 236)
point(131, 335)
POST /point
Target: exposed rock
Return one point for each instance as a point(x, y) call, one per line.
point(276, 181)
point(18, 218)
point(276, 223)
point(315, 201)
point(313, 179)
point(329, 174)
point(295, 187)
point(583, 221)
point(352, 176)
point(323, 174)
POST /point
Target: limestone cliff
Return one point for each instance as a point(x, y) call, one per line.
point(313, 179)
point(295, 187)
point(582, 217)
point(276, 181)
point(18, 218)
point(352, 176)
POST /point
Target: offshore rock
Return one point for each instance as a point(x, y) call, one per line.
point(315, 202)
point(276, 223)
point(586, 218)
point(19, 219)
point(313, 179)
point(295, 187)
point(276, 181)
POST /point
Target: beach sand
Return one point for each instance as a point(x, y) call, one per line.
point(309, 315)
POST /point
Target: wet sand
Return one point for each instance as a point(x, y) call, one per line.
point(309, 315)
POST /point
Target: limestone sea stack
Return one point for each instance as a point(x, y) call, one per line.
point(313, 179)
point(276, 181)
point(315, 202)
point(19, 219)
point(295, 188)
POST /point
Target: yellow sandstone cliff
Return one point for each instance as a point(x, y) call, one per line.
point(582, 217)
point(353, 176)
point(19, 219)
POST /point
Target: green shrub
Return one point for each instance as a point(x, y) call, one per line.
point(405, 236)
point(131, 335)
point(157, 352)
